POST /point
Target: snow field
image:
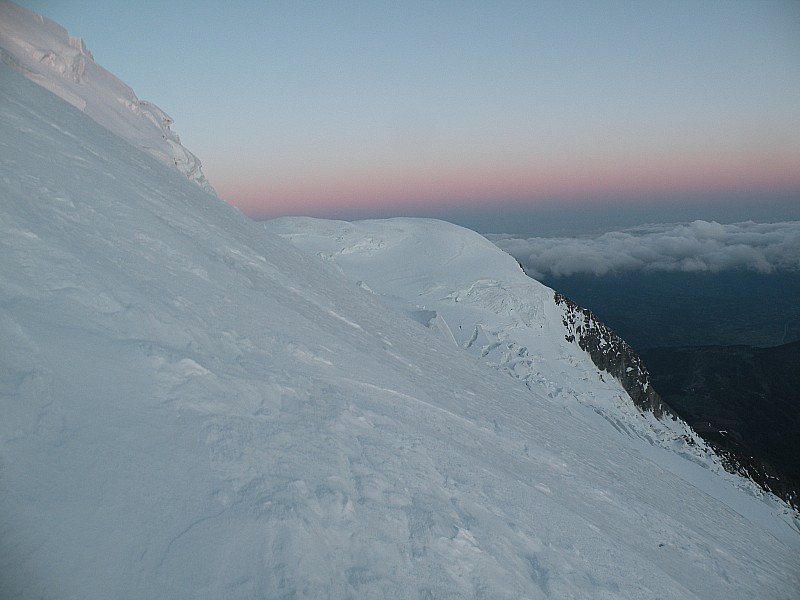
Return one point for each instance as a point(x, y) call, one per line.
point(458, 284)
point(193, 408)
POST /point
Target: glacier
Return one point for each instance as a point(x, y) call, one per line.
point(457, 283)
point(193, 407)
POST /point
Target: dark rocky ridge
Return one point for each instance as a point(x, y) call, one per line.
point(612, 354)
point(739, 399)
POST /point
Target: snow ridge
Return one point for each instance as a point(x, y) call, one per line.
point(457, 283)
point(45, 53)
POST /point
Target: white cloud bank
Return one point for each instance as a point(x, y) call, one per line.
point(701, 246)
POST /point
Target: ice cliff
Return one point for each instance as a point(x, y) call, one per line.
point(45, 53)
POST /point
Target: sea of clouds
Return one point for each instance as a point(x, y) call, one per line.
point(700, 246)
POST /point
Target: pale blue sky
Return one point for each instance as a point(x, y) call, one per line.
point(330, 107)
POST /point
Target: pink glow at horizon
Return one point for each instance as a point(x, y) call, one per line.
point(548, 183)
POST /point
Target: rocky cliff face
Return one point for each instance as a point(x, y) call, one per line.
point(611, 354)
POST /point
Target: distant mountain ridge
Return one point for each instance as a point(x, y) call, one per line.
point(743, 400)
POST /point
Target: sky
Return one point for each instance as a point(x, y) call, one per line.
point(479, 112)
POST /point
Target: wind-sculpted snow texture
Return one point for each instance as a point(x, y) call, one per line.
point(193, 408)
point(45, 53)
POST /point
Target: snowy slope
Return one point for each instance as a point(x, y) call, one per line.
point(477, 297)
point(45, 53)
point(193, 408)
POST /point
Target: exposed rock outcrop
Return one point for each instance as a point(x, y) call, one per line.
point(611, 354)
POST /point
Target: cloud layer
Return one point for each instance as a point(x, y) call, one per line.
point(700, 246)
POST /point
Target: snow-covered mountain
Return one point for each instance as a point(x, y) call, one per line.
point(191, 407)
point(476, 296)
point(45, 53)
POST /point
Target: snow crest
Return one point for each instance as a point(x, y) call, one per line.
point(460, 285)
point(45, 53)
